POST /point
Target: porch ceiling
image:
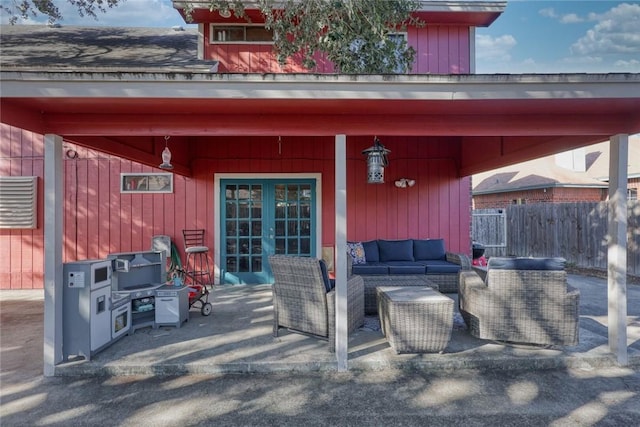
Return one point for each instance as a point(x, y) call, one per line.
point(498, 119)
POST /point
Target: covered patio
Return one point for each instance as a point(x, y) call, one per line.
point(237, 338)
point(489, 121)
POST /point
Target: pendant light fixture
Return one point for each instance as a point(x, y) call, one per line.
point(376, 162)
point(166, 155)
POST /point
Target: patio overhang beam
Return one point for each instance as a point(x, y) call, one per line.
point(206, 85)
point(73, 124)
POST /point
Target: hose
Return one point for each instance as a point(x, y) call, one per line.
point(175, 263)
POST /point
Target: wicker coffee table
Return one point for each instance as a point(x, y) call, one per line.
point(374, 281)
point(415, 319)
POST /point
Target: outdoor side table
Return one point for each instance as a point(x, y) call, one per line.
point(371, 282)
point(415, 319)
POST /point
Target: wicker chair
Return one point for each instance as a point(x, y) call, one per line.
point(521, 300)
point(301, 301)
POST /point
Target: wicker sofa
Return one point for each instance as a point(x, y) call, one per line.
point(304, 300)
point(410, 257)
point(522, 300)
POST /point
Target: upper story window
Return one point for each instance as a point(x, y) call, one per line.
point(632, 194)
point(398, 38)
point(253, 34)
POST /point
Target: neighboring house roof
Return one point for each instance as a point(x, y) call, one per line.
point(86, 48)
point(597, 157)
point(545, 173)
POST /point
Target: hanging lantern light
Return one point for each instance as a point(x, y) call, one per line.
point(166, 155)
point(376, 162)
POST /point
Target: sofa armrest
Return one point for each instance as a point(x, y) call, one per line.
point(461, 259)
point(471, 288)
point(470, 281)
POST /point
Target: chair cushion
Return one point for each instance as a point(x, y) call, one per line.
point(395, 250)
point(371, 251)
point(405, 267)
point(356, 250)
point(328, 283)
point(371, 268)
point(427, 249)
point(195, 249)
point(440, 267)
point(548, 264)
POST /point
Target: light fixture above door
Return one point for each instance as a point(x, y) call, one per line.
point(405, 182)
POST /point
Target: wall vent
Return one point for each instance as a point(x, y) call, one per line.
point(18, 201)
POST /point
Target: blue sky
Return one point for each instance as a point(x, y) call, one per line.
point(531, 36)
point(560, 37)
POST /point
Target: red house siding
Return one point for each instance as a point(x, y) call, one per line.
point(21, 251)
point(99, 220)
point(441, 49)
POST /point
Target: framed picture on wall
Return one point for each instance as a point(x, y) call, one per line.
point(146, 182)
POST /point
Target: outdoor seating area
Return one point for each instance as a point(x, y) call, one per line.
point(238, 338)
point(521, 300)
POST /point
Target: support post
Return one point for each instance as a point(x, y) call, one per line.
point(53, 175)
point(617, 248)
point(341, 250)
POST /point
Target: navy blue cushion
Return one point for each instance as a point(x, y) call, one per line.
point(425, 249)
point(370, 268)
point(440, 267)
point(405, 267)
point(328, 283)
point(395, 250)
point(548, 264)
point(371, 251)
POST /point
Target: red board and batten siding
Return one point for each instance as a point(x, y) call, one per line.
point(441, 49)
point(21, 251)
point(99, 220)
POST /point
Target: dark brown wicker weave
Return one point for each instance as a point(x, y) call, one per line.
point(301, 302)
point(521, 306)
point(415, 319)
point(371, 282)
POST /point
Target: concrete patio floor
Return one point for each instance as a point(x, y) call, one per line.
point(237, 338)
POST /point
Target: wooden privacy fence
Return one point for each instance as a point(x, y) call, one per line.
point(574, 231)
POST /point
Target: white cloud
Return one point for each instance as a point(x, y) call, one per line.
point(548, 12)
point(495, 48)
point(632, 64)
point(616, 32)
point(569, 18)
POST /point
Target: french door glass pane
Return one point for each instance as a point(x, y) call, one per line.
point(243, 206)
point(292, 214)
